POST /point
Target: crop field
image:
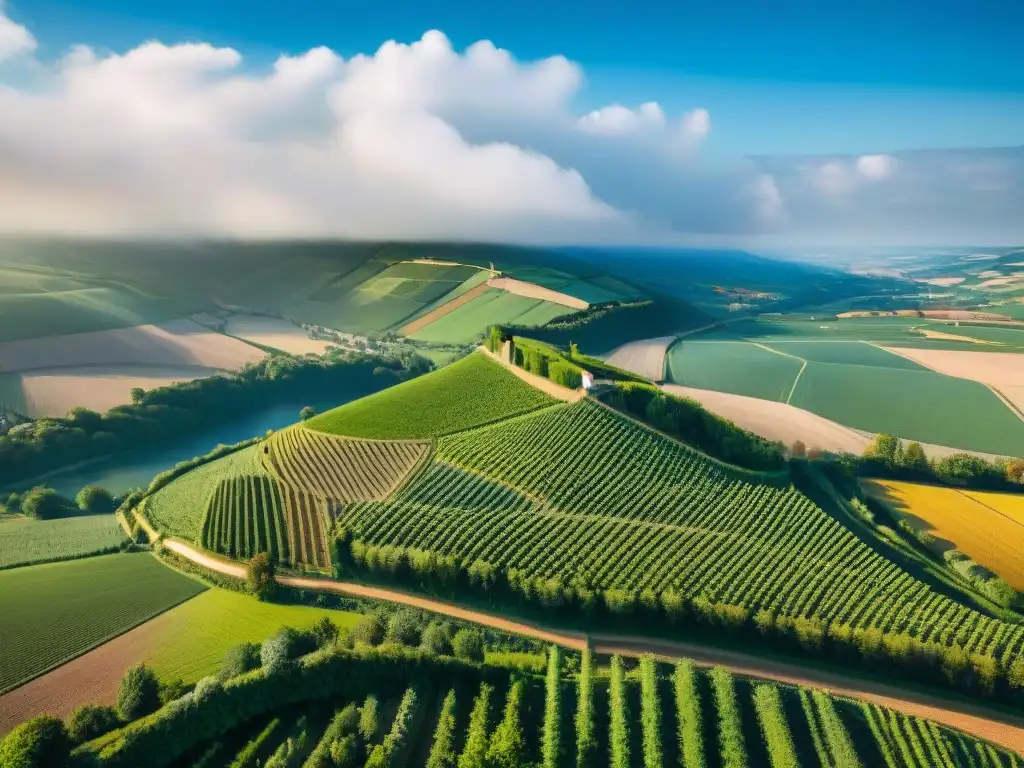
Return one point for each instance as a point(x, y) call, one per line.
point(492, 307)
point(246, 516)
point(580, 492)
point(730, 366)
point(975, 523)
point(90, 600)
point(654, 715)
point(12, 394)
point(178, 508)
point(907, 403)
point(24, 541)
point(467, 393)
point(844, 352)
point(343, 469)
point(276, 333)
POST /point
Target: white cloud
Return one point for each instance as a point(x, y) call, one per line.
point(767, 197)
point(616, 119)
point(15, 39)
point(697, 124)
point(876, 167)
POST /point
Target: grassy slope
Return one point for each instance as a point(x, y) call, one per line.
point(493, 307)
point(194, 637)
point(23, 540)
point(467, 393)
point(51, 613)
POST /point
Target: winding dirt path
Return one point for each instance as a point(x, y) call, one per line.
point(1001, 728)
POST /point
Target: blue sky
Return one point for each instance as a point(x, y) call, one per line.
point(783, 77)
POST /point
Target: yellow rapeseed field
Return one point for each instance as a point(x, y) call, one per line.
point(988, 527)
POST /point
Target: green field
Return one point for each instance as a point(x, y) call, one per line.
point(436, 712)
point(471, 320)
point(52, 613)
point(12, 394)
point(580, 494)
point(844, 352)
point(190, 641)
point(178, 509)
point(733, 366)
point(915, 405)
point(469, 392)
point(25, 541)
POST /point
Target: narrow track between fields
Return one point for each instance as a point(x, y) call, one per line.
point(1000, 728)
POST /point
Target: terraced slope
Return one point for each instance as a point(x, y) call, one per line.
point(582, 495)
point(342, 469)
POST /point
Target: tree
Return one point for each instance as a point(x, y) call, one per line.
point(370, 629)
point(91, 721)
point(138, 394)
point(468, 645)
point(885, 449)
point(276, 653)
point(325, 631)
point(95, 500)
point(404, 628)
point(914, 458)
point(261, 575)
point(139, 693)
point(1014, 470)
point(508, 744)
point(42, 742)
point(239, 660)
point(43, 503)
point(437, 639)
point(369, 719)
point(307, 413)
point(799, 450)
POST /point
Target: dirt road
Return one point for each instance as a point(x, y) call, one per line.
point(1001, 728)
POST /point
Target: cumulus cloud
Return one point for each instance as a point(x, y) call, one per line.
point(15, 39)
point(419, 140)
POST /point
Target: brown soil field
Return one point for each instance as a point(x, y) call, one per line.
point(930, 334)
point(1003, 371)
point(422, 322)
point(533, 291)
point(276, 333)
point(55, 391)
point(176, 343)
point(944, 281)
point(644, 358)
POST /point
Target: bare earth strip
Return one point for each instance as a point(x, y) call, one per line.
point(644, 358)
point(422, 322)
point(996, 726)
point(55, 391)
point(175, 343)
point(275, 332)
point(1003, 371)
point(777, 421)
point(534, 291)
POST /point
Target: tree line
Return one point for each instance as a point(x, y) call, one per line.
point(164, 413)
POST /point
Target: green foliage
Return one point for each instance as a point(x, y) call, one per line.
point(650, 713)
point(774, 727)
point(246, 757)
point(240, 659)
point(840, 745)
point(95, 500)
point(324, 631)
point(44, 503)
point(277, 653)
point(40, 743)
point(442, 750)
point(474, 752)
point(690, 715)
point(437, 639)
point(690, 422)
point(468, 645)
point(343, 724)
point(371, 628)
point(586, 740)
point(730, 727)
point(389, 753)
point(404, 627)
point(369, 719)
point(469, 392)
point(618, 731)
point(261, 575)
point(29, 542)
point(90, 600)
point(245, 518)
point(138, 694)
point(89, 721)
point(508, 743)
point(552, 742)
point(307, 413)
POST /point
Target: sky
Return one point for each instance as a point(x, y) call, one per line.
point(727, 123)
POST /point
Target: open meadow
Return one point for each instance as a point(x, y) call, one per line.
point(492, 307)
point(989, 527)
point(24, 541)
point(49, 614)
point(275, 333)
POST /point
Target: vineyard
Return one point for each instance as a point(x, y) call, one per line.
point(584, 498)
point(352, 708)
point(343, 469)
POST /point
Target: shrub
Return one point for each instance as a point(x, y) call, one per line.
point(42, 742)
point(371, 629)
point(508, 744)
point(91, 721)
point(139, 693)
point(324, 632)
point(474, 752)
point(239, 660)
point(345, 751)
point(261, 575)
point(172, 690)
point(404, 628)
point(276, 653)
point(369, 719)
point(95, 500)
point(468, 645)
point(442, 752)
point(44, 503)
point(552, 741)
point(437, 639)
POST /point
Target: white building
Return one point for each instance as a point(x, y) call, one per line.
point(588, 379)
